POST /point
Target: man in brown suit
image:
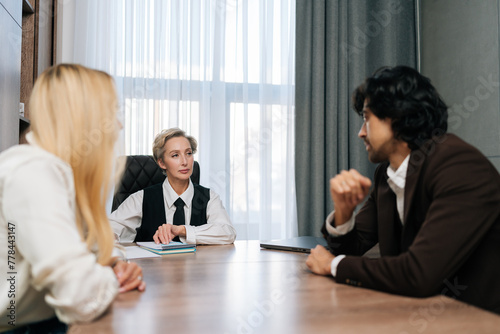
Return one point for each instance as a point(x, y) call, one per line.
point(434, 208)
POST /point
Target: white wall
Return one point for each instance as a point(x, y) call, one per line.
point(65, 31)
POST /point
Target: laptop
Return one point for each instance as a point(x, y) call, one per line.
point(298, 244)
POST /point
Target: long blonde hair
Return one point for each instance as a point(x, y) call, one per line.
point(73, 116)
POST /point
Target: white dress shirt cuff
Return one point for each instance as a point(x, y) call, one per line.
point(335, 263)
point(190, 235)
point(339, 230)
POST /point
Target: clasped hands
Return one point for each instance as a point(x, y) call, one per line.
point(129, 276)
point(348, 189)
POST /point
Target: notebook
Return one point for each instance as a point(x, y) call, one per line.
point(298, 244)
point(174, 247)
point(171, 245)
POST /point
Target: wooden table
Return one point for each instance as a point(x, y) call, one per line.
point(241, 288)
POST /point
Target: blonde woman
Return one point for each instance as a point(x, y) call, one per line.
point(176, 208)
point(58, 244)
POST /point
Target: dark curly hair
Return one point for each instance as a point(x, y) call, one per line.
point(407, 98)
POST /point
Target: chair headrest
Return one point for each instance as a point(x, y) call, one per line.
point(141, 171)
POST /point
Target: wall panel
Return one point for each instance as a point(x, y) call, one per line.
point(460, 54)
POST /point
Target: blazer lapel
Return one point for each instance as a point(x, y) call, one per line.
point(417, 158)
point(415, 166)
point(389, 232)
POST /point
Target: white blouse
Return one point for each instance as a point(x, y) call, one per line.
point(47, 269)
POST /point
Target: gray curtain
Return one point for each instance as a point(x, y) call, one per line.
point(338, 44)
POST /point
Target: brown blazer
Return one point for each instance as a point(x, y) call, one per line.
point(450, 242)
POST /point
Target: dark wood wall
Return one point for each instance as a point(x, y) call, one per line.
point(38, 48)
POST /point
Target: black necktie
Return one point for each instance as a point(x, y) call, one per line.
point(179, 212)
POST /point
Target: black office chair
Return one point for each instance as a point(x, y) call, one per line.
point(141, 171)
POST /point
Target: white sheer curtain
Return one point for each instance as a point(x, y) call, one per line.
point(221, 70)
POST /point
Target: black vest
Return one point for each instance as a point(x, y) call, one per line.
point(153, 210)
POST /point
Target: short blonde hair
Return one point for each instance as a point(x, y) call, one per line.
point(162, 138)
point(74, 116)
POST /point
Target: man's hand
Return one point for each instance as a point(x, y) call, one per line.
point(129, 275)
point(167, 232)
point(348, 189)
point(320, 261)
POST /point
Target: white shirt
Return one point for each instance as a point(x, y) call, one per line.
point(218, 230)
point(396, 180)
point(53, 271)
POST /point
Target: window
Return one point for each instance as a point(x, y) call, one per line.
point(222, 71)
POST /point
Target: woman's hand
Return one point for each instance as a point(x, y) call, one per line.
point(129, 275)
point(167, 232)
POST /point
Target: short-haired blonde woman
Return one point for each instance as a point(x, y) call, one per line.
point(176, 208)
point(58, 244)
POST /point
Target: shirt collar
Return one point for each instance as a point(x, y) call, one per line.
point(30, 138)
point(398, 177)
point(171, 196)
